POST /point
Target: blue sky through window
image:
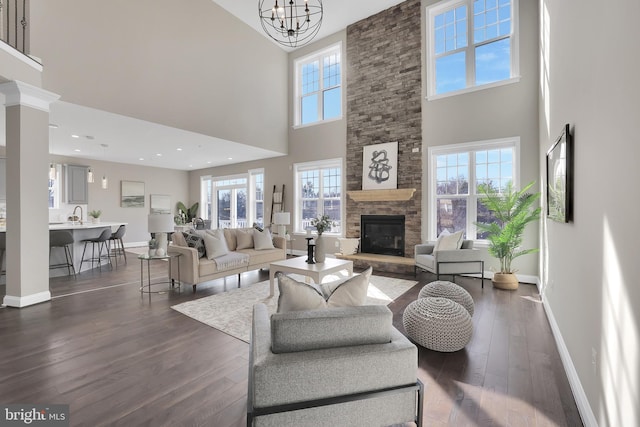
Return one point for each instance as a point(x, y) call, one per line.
point(488, 47)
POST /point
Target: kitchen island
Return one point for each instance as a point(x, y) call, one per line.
point(80, 231)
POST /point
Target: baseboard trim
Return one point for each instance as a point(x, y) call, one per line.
point(522, 278)
point(19, 302)
point(136, 244)
point(584, 408)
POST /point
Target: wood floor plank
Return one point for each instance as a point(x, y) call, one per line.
point(126, 359)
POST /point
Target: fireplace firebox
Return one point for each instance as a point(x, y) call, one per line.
point(382, 234)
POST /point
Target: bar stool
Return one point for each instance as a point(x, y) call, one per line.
point(62, 239)
point(118, 246)
point(101, 241)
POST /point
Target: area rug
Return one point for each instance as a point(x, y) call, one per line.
point(231, 311)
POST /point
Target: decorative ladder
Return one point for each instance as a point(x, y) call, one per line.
point(277, 201)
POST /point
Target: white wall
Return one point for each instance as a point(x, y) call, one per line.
point(500, 112)
point(316, 142)
point(190, 65)
point(590, 267)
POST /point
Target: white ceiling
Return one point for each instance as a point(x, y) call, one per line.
point(134, 141)
point(112, 137)
point(338, 14)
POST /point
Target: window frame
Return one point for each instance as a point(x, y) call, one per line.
point(252, 199)
point(443, 6)
point(299, 63)
point(317, 165)
point(471, 148)
point(211, 182)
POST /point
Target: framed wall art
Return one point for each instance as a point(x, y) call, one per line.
point(380, 166)
point(131, 194)
point(560, 178)
point(160, 204)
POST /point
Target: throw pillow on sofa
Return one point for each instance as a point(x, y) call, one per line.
point(215, 244)
point(195, 241)
point(244, 237)
point(298, 296)
point(178, 239)
point(262, 239)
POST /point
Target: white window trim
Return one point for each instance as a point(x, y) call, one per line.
point(297, 67)
point(430, 193)
point(319, 164)
point(436, 9)
point(214, 198)
point(251, 201)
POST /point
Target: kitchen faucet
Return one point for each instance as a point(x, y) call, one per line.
point(73, 214)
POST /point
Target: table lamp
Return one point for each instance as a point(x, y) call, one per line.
point(160, 224)
point(282, 219)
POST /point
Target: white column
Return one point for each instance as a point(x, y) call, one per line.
point(27, 138)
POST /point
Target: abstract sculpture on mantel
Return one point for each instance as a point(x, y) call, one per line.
point(292, 23)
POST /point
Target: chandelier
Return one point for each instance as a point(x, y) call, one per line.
point(292, 23)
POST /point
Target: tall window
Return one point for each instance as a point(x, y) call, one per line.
point(55, 194)
point(457, 172)
point(319, 86)
point(318, 191)
point(471, 43)
point(256, 189)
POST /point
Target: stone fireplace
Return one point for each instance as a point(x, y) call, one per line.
point(384, 104)
point(382, 234)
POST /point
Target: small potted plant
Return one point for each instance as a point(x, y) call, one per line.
point(95, 216)
point(512, 210)
point(322, 224)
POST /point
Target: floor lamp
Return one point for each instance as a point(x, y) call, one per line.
point(160, 224)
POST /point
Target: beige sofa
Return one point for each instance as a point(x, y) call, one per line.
point(194, 269)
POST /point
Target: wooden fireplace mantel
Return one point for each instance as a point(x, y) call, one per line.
point(400, 194)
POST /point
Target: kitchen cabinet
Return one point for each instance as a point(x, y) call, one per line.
point(77, 185)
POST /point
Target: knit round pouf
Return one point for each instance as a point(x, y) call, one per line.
point(438, 324)
point(449, 290)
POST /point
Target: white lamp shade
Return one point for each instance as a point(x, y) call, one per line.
point(282, 218)
point(160, 223)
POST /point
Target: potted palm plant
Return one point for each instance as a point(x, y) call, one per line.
point(512, 210)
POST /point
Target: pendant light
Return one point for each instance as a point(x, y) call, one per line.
point(105, 182)
point(90, 178)
point(52, 172)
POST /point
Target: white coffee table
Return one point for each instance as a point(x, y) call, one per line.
point(314, 271)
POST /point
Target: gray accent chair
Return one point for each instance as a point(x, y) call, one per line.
point(345, 366)
point(465, 260)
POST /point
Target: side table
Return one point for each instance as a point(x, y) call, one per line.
point(148, 259)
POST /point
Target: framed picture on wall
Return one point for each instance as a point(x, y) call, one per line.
point(160, 204)
point(560, 178)
point(380, 166)
point(131, 194)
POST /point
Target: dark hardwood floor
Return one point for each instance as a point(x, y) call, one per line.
point(119, 358)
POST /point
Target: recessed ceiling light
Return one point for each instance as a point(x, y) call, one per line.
point(53, 126)
point(209, 162)
point(141, 158)
point(229, 158)
point(75, 136)
point(159, 154)
point(77, 150)
point(190, 166)
point(179, 149)
point(90, 137)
